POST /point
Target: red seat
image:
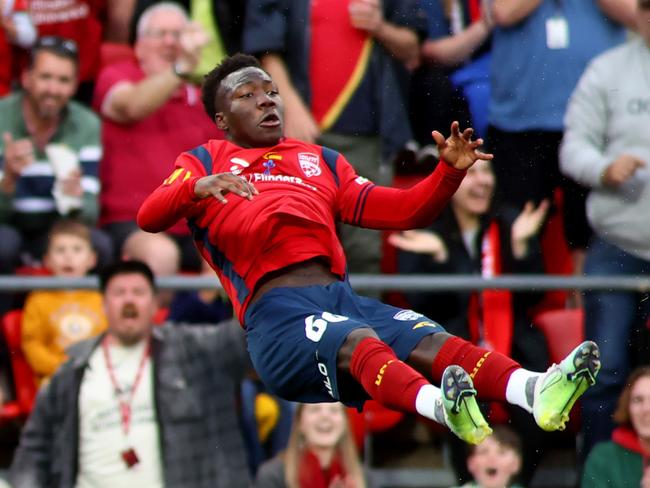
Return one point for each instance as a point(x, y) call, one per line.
point(564, 330)
point(22, 372)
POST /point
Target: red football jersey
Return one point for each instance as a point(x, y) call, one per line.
point(303, 190)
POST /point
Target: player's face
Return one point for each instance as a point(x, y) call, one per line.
point(322, 424)
point(640, 407)
point(130, 304)
point(474, 194)
point(69, 255)
point(492, 464)
point(251, 108)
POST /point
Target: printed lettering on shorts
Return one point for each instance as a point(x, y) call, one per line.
point(407, 315)
point(316, 327)
point(479, 363)
point(327, 382)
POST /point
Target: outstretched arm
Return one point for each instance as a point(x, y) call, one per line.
point(379, 207)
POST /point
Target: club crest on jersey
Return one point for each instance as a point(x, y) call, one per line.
point(405, 315)
point(309, 164)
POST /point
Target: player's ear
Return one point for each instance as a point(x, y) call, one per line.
point(220, 120)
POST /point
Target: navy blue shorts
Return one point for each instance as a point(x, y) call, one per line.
point(294, 335)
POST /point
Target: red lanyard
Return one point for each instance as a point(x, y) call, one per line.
point(125, 406)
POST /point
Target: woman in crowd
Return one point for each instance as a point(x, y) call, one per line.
point(624, 461)
point(320, 454)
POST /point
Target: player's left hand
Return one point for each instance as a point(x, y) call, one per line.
point(459, 150)
point(222, 183)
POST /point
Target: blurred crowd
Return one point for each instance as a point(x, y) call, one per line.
point(98, 97)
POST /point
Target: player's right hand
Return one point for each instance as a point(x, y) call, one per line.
point(222, 183)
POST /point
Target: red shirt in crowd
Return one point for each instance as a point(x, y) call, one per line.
point(79, 20)
point(303, 190)
point(138, 156)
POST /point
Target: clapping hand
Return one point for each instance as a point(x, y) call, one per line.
point(420, 241)
point(527, 225)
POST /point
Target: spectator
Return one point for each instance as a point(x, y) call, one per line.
point(495, 462)
point(206, 306)
point(55, 319)
point(150, 114)
point(469, 238)
point(16, 30)
point(539, 50)
point(623, 461)
point(454, 78)
point(183, 431)
point(50, 150)
point(353, 102)
point(606, 148)
point(160, 252)
point(223, 20)
point(321, 452)
point(80, 21)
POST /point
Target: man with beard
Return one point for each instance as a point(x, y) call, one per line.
point(49, 156)
point(139, 405)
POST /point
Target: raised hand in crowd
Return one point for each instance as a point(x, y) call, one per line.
point(621, 170)
point(193, 39)
point(366, 15)
point(645, 481)
point(18, 154)
point(421, 242)
point(527, 225)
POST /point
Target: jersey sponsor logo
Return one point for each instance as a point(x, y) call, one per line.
point(294, 180)
point(238, 166)
point(360, 180)
point(405, 315)
point(309, 164)
point(176, 174)
point(424, 324)
point(269, 164)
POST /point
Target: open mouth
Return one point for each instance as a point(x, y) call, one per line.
point(491, 472)
point(129, 311)
point(270, 120)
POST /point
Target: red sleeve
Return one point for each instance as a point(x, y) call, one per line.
point(378, 207)
point(109, 76)
point(174, 199)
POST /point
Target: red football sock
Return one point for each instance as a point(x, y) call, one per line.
point(385, 378)
point(490, 370)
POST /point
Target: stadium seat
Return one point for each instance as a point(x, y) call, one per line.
point(373, 418)
point(564, 330)
point(22, 373)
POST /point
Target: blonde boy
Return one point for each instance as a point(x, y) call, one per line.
point(55, 319)
point(495, 461)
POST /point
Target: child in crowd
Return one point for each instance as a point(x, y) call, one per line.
point(55, 319)
point(495, 461)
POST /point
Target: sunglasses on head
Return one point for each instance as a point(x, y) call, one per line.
point(56, 43)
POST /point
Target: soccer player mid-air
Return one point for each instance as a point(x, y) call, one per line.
point(263, 211)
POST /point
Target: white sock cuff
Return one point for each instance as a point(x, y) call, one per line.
point(425, 401)
point(516, 388)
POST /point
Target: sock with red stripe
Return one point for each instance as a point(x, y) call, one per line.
point(391, 382)
point(490, 370)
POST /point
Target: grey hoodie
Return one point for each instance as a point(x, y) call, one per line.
point(609, 115)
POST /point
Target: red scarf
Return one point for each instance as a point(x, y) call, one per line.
point(338, 59)
point(311, 475)
point(490, 312)
point(628, 438)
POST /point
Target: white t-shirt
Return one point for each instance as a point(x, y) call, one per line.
point(101, 436)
